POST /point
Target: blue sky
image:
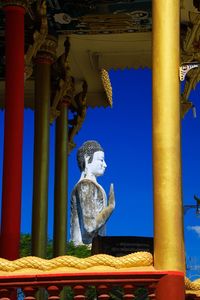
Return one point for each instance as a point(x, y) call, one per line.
point(125, 133)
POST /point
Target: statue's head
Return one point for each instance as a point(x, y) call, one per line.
point(90, 157)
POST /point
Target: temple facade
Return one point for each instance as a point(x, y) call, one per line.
point(55, 58)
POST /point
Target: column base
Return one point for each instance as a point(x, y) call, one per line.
point(171, 287)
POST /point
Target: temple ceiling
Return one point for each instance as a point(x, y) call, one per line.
point(103, 35)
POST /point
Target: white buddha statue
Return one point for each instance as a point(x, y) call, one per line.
point(89, 208)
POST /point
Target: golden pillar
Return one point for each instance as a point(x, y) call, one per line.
point(43, 62)
point(168, 218)
point(60, 192)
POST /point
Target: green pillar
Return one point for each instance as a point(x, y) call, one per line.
point(41, 147)
point(60, 192)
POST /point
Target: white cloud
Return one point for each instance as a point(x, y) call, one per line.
point(195, 229)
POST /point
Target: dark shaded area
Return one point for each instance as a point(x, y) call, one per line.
point(121, 245)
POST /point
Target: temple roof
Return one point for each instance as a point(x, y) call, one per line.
point(103, 35)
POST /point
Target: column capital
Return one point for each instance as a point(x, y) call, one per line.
point(15, 3)
point(47, 52)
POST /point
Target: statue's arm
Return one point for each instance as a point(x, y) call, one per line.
point(88, 197)
point(87, 194)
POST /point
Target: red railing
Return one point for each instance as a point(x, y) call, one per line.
point(78, 283)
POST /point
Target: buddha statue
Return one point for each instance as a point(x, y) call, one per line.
point(89, 208)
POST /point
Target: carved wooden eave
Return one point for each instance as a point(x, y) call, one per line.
point(89, 54)
point(186, 7)
point(116, 48)
point(190, 58)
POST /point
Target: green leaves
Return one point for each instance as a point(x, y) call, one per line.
point(25, 245)
point(78, 251)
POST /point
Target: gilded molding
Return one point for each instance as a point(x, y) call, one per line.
point(138, 259)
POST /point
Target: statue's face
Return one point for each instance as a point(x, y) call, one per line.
point(97, 166)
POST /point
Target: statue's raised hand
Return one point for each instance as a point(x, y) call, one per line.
point(111, 198)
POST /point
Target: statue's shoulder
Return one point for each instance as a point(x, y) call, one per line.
point(86, 183)
point(87, 187)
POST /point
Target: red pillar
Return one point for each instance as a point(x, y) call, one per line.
point(13, 132)
point(171, 287)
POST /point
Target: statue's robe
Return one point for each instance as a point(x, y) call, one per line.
point(88, 199)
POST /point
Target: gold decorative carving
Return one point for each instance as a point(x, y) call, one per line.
point(138, 259)
point(62, 82)
point(39, 38)
point(192, 287)
point(107, 85)
point(79, 107)
point(193, 77)
point(185, 68)
point(54, 113)
point(190, 56)
point(119, 22)
point(63, 92)
point(191, 42)
point(47, 51)
point(185, 107)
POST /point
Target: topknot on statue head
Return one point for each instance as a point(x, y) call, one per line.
point(87, 149)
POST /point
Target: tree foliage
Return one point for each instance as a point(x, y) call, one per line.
point(78, 251)
point(25, 245)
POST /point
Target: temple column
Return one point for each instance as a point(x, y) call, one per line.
point(13, 130)
point(168, 218)
point(44, 58)
point(60, 192)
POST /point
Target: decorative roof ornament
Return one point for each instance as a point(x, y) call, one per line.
point(186, 67)
point(107, 85)
point(61, 82)
point(39, 38)
point(190, 62)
